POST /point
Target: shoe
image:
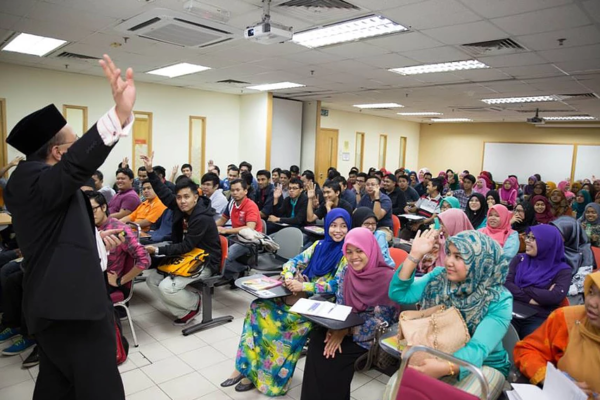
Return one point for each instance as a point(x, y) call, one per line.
point(32, 359)
point(19, 346)
point(244, 387)
point(9, 333)
point(232, 381)
point(187, 318)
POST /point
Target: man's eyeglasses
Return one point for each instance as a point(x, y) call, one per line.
point(95, 208)
point(294, 188)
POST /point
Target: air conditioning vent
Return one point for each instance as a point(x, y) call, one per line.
point(493, 47)
point(581, 96)
point(75, 56)
point(329, 4)
point(233, 82)
point(179, 29)
point(478, 109)
point(319, 12)
point(532, 111)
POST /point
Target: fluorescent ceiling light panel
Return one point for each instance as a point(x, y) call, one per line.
point(531, 99)
point(178, 70)
point(441, 67)
point(276, 86)
point(379, 105)
point(420, 114)
point(356, 29)
point(32, 44)
point(451, 120)
point(571, 118)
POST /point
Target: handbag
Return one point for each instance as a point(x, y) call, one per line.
point(376, 356)
point(437, 327)
point(187, 265)
point(122, 343)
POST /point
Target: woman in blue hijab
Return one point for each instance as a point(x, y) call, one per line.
point(273, 337)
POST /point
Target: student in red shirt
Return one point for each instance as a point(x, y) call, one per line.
point(243, 213)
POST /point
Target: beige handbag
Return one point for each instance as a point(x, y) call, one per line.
point(437, 327)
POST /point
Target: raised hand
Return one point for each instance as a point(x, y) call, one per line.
point(310, 190)
point(175, 169)
point(211, 164)
point(424, 242)
point(125, 162)
point(147, 161)
point(123, 91)
point(278, 192)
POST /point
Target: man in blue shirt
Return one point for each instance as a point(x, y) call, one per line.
point(381, 205)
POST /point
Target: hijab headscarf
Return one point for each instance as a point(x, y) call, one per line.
point(495, 195)
point(578, 251)
point(576, 187)
point(413, 173)
point(502, 232)
point(455, 185)
point(562, 186)
point(550, 186)
point(484, 284)
point(584, 220)
point(579, 208)
point(562, 207)
point(363, 289)
point(422, 171)
point(360, 215)
point(528, 220)
point(529, 188)
point(541, 185)
point(539, 271)
point(453, 201)
point(546, 217)
point(510, 195)
point(455, 221)
point(476, 217)
point(484, 188)
point(328, 252)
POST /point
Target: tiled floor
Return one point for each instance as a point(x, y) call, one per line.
point(168, 365)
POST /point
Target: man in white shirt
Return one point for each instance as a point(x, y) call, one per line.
point(106, 191)
point(210, 188)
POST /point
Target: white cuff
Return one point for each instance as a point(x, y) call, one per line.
point(109, 127)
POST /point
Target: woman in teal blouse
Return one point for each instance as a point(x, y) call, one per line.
point(473, 282)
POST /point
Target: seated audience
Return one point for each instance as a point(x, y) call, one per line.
point(543, 209)
point(395, 194)
point(421, 188)
point(99, 185)
point(364, 217)
point(331, 193)
point(233, 173)
point(160, 231)
point(243, 213)
point(492, 198)
point(410, 194)
point(359, 186)
point(245, 166)
point(331, 355)
point(273, 337)
point(352, 177)
point(570, 340)
point(448, 203)
point(473, 282)
point(550, 186)
point(162, 175)
point(463, 195)
point(523, 217)
point(498, 228)
point(590, 222)
point(149, 211)
point(414, 180)
point(126, 200)
point(508, 194)
point(248, 178)
point(528, 190)
point(477, 209)
point(275, 176)
point(284, 181)
point(193, 228)
point(481, 186)
point(291, 210)
point(210, 188)
point(540, 278)
point(347, 194)
point(381, 205)
point(582, 199)
point(263, 197)
point(428, 206)
point(117, 258)
point(309, 177)
point(295, 171)
point(559, 203)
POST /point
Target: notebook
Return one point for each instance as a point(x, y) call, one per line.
point(557, 386)
point(262, 283)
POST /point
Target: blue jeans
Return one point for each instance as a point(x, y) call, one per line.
point(525, 327)
point(233, 267)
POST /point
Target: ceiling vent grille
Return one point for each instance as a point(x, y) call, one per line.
point(335, 4)
point(578, 96)
point(478, 109)
point(319, 12)
point(75, 56)
point(233, 82)
point(493, 47)
point(532, 111)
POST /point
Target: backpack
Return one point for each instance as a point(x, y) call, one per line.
point(186, 265)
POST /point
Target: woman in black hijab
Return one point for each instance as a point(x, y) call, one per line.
point(477, 214)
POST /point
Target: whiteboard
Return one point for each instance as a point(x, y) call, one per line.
point(552, 161)
point(286, 139)
point(587, 162)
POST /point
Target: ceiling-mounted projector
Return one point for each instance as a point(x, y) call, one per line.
point(536, 120)
point(206, 11)
point(267, 32)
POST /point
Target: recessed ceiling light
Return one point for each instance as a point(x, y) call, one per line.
point(275, 86)
point(356, 29)
point(531, 99)
point(173, 71)
point(420, 114)
point(32, 44)
point(379, 105)
point(441, 67)
point(571, 118)
point(451, 120)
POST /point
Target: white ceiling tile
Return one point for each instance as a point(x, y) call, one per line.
point(404, 42)
point(593, 9)
point(478, 75)
point(312, 56)
point(68, 16)
point(49, 29)
point(432, 14)
point(592, 64)
point(532, 71)
point(17, 58)
point(466, 33)
point(571, 53)
point(513, 60)
point(581, 36)
point(18, 8)
point(387, 61)
point(7, 21)
point(378, 5)
point(350, 50)
point(495, 8)
point(437, 55)
point(271, 50)
point(351, 66)
point(570, 86)
point(439, 77)
point(111, 8)
point(550, 19)
point(314, 71)
point(277, 63)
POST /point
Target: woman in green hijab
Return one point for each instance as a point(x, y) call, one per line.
point(582, 199)
point(449, 202)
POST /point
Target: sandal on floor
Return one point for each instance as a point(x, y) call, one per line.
point(232, 381)
point(244, 387)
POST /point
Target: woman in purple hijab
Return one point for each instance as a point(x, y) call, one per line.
point(538, 279)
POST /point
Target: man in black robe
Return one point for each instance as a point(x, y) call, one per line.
point(65, 301)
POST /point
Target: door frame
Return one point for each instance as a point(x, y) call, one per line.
point(150, 148)
point(202, 141)
point(333, 156)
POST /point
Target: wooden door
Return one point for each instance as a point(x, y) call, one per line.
point(142, 138)
point(197, 146)
point(326, 153)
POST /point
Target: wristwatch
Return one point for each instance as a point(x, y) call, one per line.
point(119, 281)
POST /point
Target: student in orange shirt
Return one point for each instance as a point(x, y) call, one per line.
point(149, 211)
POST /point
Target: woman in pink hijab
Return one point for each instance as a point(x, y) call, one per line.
point(481, 186)
point(421, 173)
point(508, 193)
point(565, 187)
point(498, 228)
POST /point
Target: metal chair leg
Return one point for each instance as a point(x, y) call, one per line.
point(207, 320)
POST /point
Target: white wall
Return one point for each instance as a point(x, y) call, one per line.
point(349, 123)
point(252, 142)
point(309, 135)
point(27, 89)
point(286, 139)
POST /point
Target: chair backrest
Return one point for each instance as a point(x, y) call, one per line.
point(290, 242)
point(396, 222)
point(117, 296)
point(135, 228)
point(264, 227)
point(398, 255)
point(596, 252)
point(224, 251)
point(509, 341)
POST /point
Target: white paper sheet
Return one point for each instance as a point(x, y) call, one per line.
point(323, 309)
point(557, 386)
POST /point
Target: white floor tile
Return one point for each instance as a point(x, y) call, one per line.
point(138, 359)
point(153, 393)
point(370, 391)
point(13, 374)
point(301, 363)
point(20, 391)
point(151, 319)
point(218, 395)
point(228, 347)
point(138, 310)
point(188, 387)
point(128, 365)
point(359, 380)
point(295, 392)
point(142, 336)
point(34, 371)
point(6, 360)
point(136, 381)
point(216, 334)
point(155, 352)
point(383, 379)
point(219, 372)
point(164, 331)
point(183, 344)
point(165, 370)
point(373, 373)
point(203, 357)
point(236, 326)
